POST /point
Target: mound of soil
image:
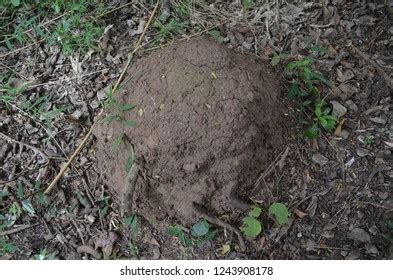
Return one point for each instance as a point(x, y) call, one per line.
point(208, 122)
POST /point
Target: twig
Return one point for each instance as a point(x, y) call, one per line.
point(214, 220)
point(114, 10)
point(18, 229)
point(381, 72)
point(20, 49)
point(65, 167)
point(81, 145)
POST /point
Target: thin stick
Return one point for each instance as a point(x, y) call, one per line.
point(20, 49)
point(113, 10)
point(15, 230)
point(136, 48)
point(81, 145)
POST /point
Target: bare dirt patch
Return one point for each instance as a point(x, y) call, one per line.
point(208, 121)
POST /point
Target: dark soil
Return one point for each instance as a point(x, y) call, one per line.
point(208, 121)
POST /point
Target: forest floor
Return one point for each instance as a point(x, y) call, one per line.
point(57, 62)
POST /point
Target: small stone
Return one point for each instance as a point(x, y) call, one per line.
point(359, 234)
point(344, 134)
point(338, 109)
point(320, 159)
point(101, 95)
point(353, 255)
point(247, 45)
point(361, 152)
point(378, 120)
point(352, 106)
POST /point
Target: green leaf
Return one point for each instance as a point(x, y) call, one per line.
point(216, 35)
point(177, 231)
point(294, 91)
point(312, 132)
point(132, 223)
point(200, 229)
point(255, 211)
point(117, 142)
point(130, 160)
point(21, 190)
point(247, 4)
point(280, 211)
point(3, 194)
point(26, 205)
point(129, 122)
point(318, 111)
point(275, 60)
point(15, 3)
point(174, 230)
point(127, 107)
point(251, 227)
point(319, 49)
point(109, 119)
point(298, 64)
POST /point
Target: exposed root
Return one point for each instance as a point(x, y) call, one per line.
point(87, 249)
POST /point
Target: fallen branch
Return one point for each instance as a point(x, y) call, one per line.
point(81, 145)
point(18, 229)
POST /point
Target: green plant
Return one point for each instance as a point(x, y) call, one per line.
point(131, 223)
point(117, 113)
point(70, 25)
point(369, 140)
point(200, 231)
point(251, 226)
point(14, 97)
point(306, 88)
point(45, 255)
point(7, 247)
point(216, 35)
point(280, 212)
point(178, 231)
point(247, 4)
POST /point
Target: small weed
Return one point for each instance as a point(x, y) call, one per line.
point(118, 111)
point(369, 140)
point(14, 97)
point(280, 212)
point(199, 232)
point(216, 35)
point(45, 255)
point(247, 4)
point(131, 223)
point(306, 87)
point(7, 247)
point(73, 30)
point(251, 226)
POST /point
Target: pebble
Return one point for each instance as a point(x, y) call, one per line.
point(338, 109)
point(344, 134)
point(361, 152)
point(352, 106)
point(359, 234)
point(320, 159)
point(378, 120)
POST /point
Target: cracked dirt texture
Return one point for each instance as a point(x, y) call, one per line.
point(208, 122)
